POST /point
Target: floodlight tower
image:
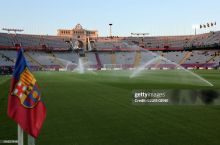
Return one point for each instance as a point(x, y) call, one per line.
point(13, 30)
point(17, 44)
point(140, 34)
point(110, 29)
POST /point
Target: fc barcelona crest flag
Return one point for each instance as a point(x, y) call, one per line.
point(25, 104)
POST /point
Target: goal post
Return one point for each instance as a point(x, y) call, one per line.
point(112, 66)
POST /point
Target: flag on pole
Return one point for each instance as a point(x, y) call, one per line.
point(208, 24)
point(201, 26)
point(24, 101)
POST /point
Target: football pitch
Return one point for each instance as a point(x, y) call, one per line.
point(96, 109)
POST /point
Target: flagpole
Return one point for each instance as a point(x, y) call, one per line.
point(31, 140)
point(20, 136)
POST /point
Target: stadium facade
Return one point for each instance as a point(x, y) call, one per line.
point(78, 33)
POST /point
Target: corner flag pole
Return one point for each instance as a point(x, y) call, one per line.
point(20, 136)
point(31, 140)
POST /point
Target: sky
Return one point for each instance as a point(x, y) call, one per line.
point(156, 17)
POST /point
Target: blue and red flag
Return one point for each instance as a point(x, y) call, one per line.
point(24, 101)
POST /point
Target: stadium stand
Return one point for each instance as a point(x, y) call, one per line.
point(53, 52)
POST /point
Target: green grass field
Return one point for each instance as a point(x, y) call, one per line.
point(96, 109)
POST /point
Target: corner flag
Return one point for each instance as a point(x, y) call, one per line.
point(24, 101)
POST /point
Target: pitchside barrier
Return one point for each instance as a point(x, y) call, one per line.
point(131, 67)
